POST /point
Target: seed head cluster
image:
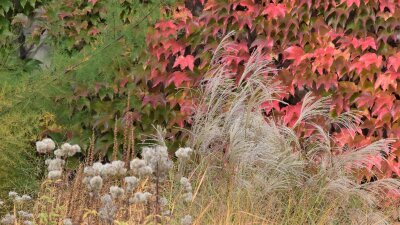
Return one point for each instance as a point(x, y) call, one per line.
point(108, 210)
point(187, 188)
point(157, 158)
point(140, 168)
point(183, 154)
point(45, 146)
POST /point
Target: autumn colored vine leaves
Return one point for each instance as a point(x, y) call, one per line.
point(346, 49)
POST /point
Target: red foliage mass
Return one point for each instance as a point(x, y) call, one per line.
point(348, 49)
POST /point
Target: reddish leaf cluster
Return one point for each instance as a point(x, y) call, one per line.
point(347, 49)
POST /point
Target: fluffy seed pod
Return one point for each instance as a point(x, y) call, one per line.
point(55, 174)
point(186, 184)
point(55, 164)
point(183, 153)
point(139, 167)
point(131, 183)
point(157, 159)
point(119, 167)
point(108, 210)
point(45, 146)
point(116, 192)
point(26, 198)
point(96, 183)
point(12, 194)
point(187, 197)
point(59, 153)
point(25, 215)
point(139, 197)
point(186, 220)
point(67, 221)
point(8, 219)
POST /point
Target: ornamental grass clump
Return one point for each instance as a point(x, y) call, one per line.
point(274, 173)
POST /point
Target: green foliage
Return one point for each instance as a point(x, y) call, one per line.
point(87, 86)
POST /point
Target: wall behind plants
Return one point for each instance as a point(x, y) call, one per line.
point(347, 49)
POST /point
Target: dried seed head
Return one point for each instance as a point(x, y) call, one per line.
point(55, 174)
point(45, 146)
point(25, 215)
point(140, 168)
point(116, 192)
point(186, 184)
point(12, 194)
point(120, 167)
point(67, 221)
point(131, 183)
point(96, 183)
point(139, 197)
point(186, 220)
point(157, 159)
point(26, 198)
point(8, 219)
point(183, 153)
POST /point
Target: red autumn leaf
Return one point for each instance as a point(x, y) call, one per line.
point(274, 11)
point(394, 62)
point(367, 42)
point(185, 61)
point(154, 100)
point(182, 13)
point(351, 2)
point(365, 61)
point(295, 53)
point(385, 80)
point(174, 45)
point(365, 99)
point(166, 25)
point(371, 58)
point(323, 59)
point(383, 100)
point(178, 78)
point(292, 113)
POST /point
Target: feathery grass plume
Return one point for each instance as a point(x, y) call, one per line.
point(266, 157)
